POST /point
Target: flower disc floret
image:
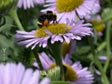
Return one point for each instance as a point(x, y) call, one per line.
point(52, 28)
point(67, 5)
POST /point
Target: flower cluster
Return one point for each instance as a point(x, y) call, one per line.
point(61, 24)
point(74, 72)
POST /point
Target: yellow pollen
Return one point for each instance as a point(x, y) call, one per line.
point(98, 25)
point(53, 28)
point(67, 5)
point(70, 74)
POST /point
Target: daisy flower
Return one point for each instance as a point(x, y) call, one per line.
point(95, 20)
point(74, 73)
point(11, 73)
point(53, 32)
point(72, 9)
point(97, 23)
point(29, 3)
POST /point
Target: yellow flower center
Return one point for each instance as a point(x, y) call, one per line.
point(70, 74)
point(98, 25)
point(67, 5)
point(65, 48)
point(52, 28)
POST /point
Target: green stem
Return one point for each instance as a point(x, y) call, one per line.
point(96, 61)
point(56, 50)
point(104, 79)
point(100, 47)
point(37, 59)
point(13, 14)
point(107, 18)
point(108, 45)
point(60, 82)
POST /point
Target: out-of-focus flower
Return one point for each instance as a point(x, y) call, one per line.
point(5, 3)
point(74, 73)
point(68, 49)
point(97, 23)
point(54, 32)
point(102, 58)
point(11, 73)
point(65, 48)
point(72, 9)
point(29, 3)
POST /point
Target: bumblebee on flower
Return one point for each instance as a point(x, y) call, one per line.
point(45, 19)
point(54, 32)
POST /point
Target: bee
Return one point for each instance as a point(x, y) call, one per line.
point(46, 19)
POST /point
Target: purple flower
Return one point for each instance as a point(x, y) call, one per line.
point(29, 3)
point(55, 32)
point(74, 74)
point(72, 9)
point(11, 73)
point(102, 58)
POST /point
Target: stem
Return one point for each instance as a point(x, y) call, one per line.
point(101, 47)
point(108, 45)
point(96, 61)
point(60, 82)
point(56, 50)
point(108, 53)
point(107, 18)
point(104, 79)
point(13, 14)
point(38, 59)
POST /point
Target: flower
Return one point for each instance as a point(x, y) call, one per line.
point(102, 58)
point(29, 3)
point(53, 32)
point(72, 9)
point(67, 50)
point(97, 23)
point(11, 73)
point(74, 73)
